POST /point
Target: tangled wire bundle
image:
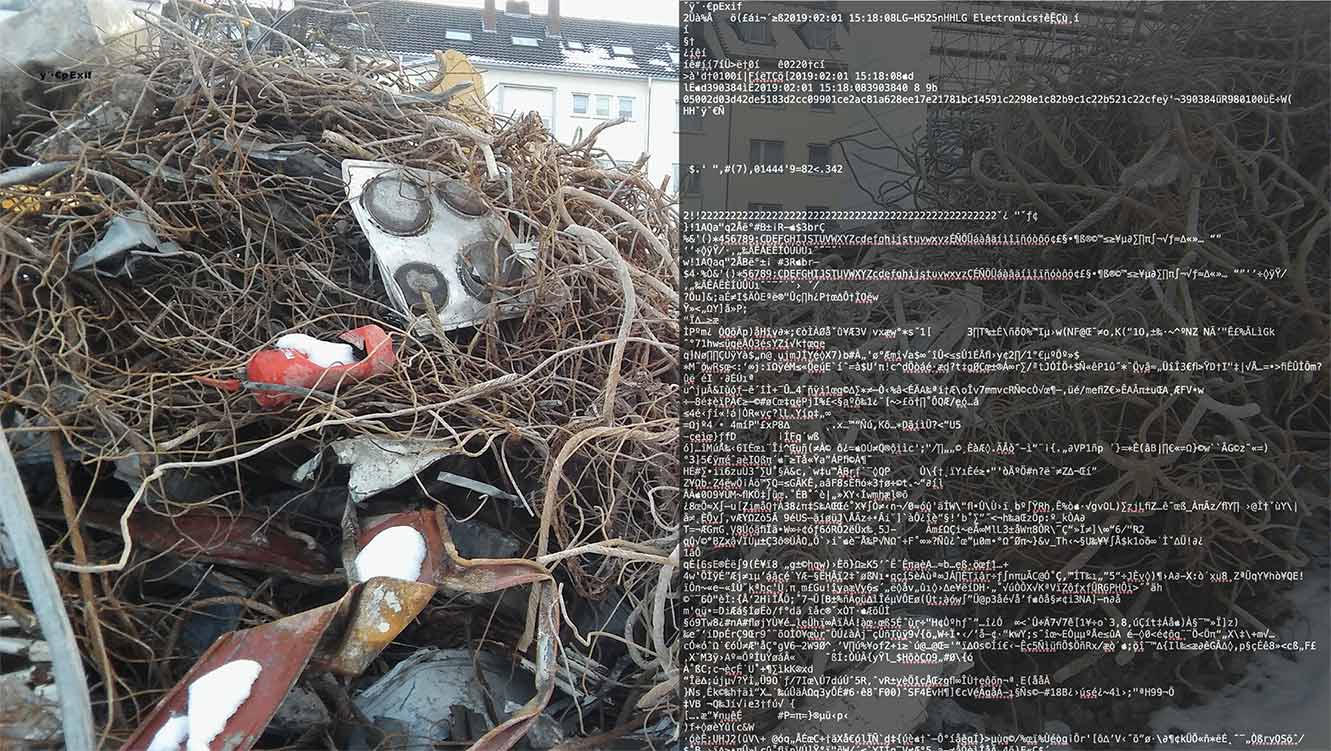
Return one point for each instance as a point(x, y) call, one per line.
point(572, 405)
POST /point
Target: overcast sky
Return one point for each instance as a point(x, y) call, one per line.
point(644, 11)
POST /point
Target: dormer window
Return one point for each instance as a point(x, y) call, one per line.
point(621, 51)
point(526, 42)
point(818, 36)
point(754, 32)
point(457, 35)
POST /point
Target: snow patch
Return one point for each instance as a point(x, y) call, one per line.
point(321, 353)
point(397, 552)
point(595, 56)
point(172, 733)
point(1279, 694)
point(215, 697)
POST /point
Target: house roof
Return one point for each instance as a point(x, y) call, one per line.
point(420, 28)
point(786, 42)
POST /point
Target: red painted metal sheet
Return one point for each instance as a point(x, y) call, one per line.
point(282, 648)
point(242, 540)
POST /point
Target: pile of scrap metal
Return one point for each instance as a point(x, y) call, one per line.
point(344, 410)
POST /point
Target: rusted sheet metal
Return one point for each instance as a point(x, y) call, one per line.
point(242, 540)
point(282, 647)
point(443, 565)
point(481, 575)
point(346, 636)
point(383, 608)
point(387, 606)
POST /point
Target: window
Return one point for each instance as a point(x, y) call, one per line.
point(626, 107)
point(820, 88)
point(526, 42)
point(603, 105)
point(458, 36)
point(689, 120)
point(575, 45)
point(754, 32)
point(767, 152)
point(674, 58)
point(619, 50)
point(692, 182)
point(519, 100)
point(763, 87)
point(820, 155)
point(692, 185)
point(818, 36)
point(580, 103)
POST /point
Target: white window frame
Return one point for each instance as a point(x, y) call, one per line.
point(596, 112)
point(554, 100)
point(457, 35)
point(633, 108)
point(753, 91)
point(682, 188)
point(821, 88)
point(765, 145)
point(526, 41)
point(585, 113)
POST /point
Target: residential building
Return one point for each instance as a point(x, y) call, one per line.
point(576, 73)
point(847, 138)
point(883, 152)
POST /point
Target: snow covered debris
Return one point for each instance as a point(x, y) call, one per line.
point(321, 353)
point(215, 697)
point(397, 552)
point(1280, 694)
point(172, 733)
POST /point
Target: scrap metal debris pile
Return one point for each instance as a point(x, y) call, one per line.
point(257, 309)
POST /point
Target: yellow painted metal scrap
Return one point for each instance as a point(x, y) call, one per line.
point(456, 69)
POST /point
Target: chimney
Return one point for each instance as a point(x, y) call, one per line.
point(552, 19)
point(489, 17)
